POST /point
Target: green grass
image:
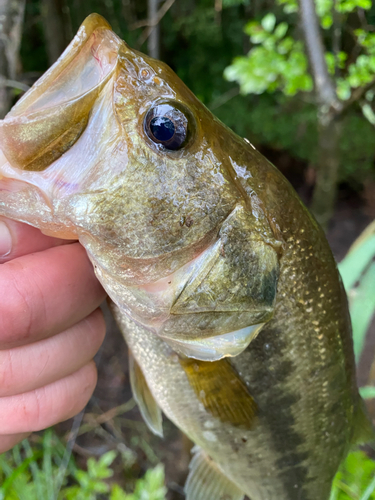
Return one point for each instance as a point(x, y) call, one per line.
point(34, 473)
point(355, 479)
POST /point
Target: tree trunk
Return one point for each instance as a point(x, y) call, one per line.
point(57, 27)
point(11, 17)
point(329, 111)
point(154, 38)
point(325, 191)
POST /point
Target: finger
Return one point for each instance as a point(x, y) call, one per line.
point(45, 293)
point(7, 442)
point(23, 369)
point(17, 239)
point(48, 405)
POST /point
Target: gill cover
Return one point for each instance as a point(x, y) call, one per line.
point(52, 115)
point(230, 295)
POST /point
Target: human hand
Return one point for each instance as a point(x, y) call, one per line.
point(50, 330)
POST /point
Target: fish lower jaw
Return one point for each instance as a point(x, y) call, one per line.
point(216, 347)
point(204, 348)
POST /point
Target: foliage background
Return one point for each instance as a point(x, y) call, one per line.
point(203, 40)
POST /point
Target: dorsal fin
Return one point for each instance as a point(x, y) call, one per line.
point(148, 407)
point(221, 390)
point(206, 481)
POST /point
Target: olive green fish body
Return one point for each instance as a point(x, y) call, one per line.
point(224, 286)
point(299, 370)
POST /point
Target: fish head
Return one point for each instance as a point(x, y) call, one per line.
point(111, 148)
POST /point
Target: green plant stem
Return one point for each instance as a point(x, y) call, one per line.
point(369, 490)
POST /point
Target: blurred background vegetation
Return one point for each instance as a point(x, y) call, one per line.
point(300, 84)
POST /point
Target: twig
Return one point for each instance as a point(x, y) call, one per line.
point(68, 452)
point(362, 17)
point(223, 98)
point(153, 22)
point(4, 82)
point(93, 421)
point(357, 95)
point(218, 10)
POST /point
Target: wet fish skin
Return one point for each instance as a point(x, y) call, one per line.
point(299, 370)
point(135, 232)
point(277, 418)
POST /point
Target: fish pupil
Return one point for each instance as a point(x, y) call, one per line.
point(168, 125)
point(162, 128)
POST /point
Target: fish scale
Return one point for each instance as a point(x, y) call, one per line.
point(222, 283)
point(150, 351)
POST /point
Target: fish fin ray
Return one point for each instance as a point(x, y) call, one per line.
point(148, 407)
point(206, 481)
point(222, 391)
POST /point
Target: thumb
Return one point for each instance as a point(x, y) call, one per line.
point(17, 239)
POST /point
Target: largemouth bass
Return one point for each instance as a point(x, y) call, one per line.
point(222, 283)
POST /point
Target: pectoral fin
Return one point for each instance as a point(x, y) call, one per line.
point(206, 481)
point(148, 407)
point(221, 391)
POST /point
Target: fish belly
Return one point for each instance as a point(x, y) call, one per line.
point(282, 454)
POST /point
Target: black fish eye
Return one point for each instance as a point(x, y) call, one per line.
point(167, 125)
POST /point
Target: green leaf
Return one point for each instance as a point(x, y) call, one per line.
point(368, 113)
point(281, 30)
point(346, 6)
point(234, 3)
point(331, 62)
point(268, 22)
point(358, 274)
point(362, 307)
point(326, 21)
point(107, 459)
point(289, 6)
point(117, 493)
point(259, 37)
point(367, 392)
point(356, 261)
point(354, 479)
point(369, 490)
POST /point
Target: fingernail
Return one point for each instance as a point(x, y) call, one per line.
point(5, 240)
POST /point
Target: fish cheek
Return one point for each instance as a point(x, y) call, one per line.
point(221, 391)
